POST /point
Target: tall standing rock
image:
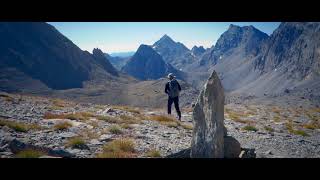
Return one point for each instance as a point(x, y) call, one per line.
point(208, 116)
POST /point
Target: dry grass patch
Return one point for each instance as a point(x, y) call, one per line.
point(237, 116)
point(276, 110)
point(126, 126)
point(186, 126)
point(76, 142)
point(169, 121)
point(312, 125)
point(292, 130)
point(82, 116)
point(270, 129)
point(127, 108)
point(62, 126)
point(162, 118)
point(130, 119)
point(316, 110)
point(58, 104)
point(30, 153)
point(276, 118)
point(19, 126)
point(250, 128)
point(120, 148)
point(108, 119)
point(153, 153)
point(115, 129)
point(313, 117)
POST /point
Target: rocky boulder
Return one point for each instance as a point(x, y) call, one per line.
point(208, 116)
point(232, 147)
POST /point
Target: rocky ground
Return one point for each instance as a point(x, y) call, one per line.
point(272, 128)
point(84, 129)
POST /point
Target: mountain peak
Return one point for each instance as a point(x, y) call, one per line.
point(165, 36)
point(233, 26)
point(236, 36)
point(97, 51)
point(145, 48)
point(198, 50)
point(146, 63)
point(165, 40)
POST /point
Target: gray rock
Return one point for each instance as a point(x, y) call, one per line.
point(208, 117)
point(17, 146)
point(95, 142)
point(247, 153)
point(185, 153)
point(232, 147)
point(67, 134)
point(105, 137)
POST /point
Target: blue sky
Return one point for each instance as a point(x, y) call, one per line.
point(127, 36)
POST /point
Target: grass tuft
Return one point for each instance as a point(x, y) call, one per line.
point(237, 116)
point(115, 129)
point(18, 126)
point(291, 130)
point(153, 153)
point(29, 153)
point(72, 116)
point(162, 118)
point(312, 125)
point(108, 119)
point(250, 128)
point(76, 142)
point(62, 126)
point(270, 129)
point(129, 119)
point(126, 126)
point(120, 148)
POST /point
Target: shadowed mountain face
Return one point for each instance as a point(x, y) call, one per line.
point(294, 46)
point(99, 56)
point(146, 63)
point(37, 51)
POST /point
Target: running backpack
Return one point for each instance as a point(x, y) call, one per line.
point(173, 88)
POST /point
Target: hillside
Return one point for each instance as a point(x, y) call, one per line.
point(39, 54)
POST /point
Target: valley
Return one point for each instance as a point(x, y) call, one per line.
point(57, 100)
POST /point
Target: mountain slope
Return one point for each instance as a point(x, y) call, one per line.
point(229, 57)
point(175, 53)
point(37, 51)
point(289, 59)
point(146, 63)
point(251, 63)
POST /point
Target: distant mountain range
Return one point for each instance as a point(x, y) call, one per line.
point(122, 54)
point(175, 53)
point(250, 62)
point(117, 62)
point(146, 64)
point(35, 57)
